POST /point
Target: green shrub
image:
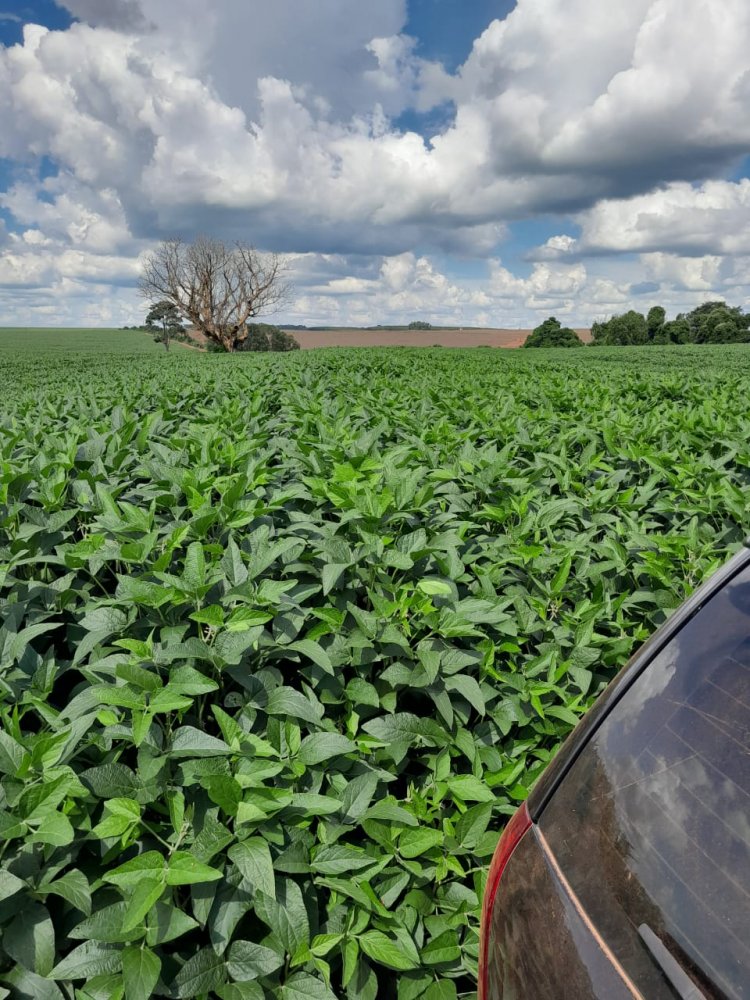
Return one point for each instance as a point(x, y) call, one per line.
point(552, 334)
point(265, 337)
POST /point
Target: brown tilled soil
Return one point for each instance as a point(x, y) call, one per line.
point(309, 339)
point(415, 338)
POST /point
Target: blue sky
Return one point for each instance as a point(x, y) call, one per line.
point(446, 29)
point(46, 12)
point(474, 162)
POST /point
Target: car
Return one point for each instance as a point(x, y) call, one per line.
point(626, 873)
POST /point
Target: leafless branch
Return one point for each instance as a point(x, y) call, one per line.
point(217, 287)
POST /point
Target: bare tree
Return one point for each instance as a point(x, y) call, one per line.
point(217, 287)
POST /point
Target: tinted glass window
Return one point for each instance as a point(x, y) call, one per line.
point(651, 827)
point(539, 947)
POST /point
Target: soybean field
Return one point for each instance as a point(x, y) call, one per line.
point(285, 639)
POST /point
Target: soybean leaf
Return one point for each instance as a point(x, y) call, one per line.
point(88, 960)
point(10, 884)
point(241, 991)
point(253, 858)
point(302, 986)
point(313, 651)
point(30, 939)
point(442, 950)
point(247, 960)
point(386, 951)
point(201, 974)
point(140, 972)
point(106, 925)
point(191, 742)
point(285, 914)
point(11, 754)
point(150, 865)
point(72, 886)
point(144, 896)
point(183, 869)
point(320, 747)
point(414, 843)
point(165, 922)
point(340, 858)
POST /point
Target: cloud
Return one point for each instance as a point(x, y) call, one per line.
point(401, 288)
point(613, 91)
point(37, 272)
point(556, 248)
point(70, 213)
point(275, 122)
point(696, 274)
point(24, 270)
point(553, 113)
point(120, 15)
point(408, 285)
point(713, 217)
point(327, 50)
point(546, 282)
point(178, 159)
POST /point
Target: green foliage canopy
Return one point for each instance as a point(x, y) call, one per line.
point(709, 323)
point(717, 323)
point(266, 337)
point(551, 333)
point(675, 331)
point(655, 321)
point(164, 320)
point(630, 328)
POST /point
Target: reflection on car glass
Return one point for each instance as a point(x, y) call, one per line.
point(657, 807)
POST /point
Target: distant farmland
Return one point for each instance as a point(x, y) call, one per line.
point(415, 338)
point(15, 340)
point(52, 339)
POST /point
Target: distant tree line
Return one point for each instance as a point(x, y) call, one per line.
point(710, 323)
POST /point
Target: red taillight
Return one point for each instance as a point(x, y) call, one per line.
point(516, 828)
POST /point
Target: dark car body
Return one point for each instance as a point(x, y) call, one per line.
point(626, 874)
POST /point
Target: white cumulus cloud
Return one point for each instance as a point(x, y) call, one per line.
point(278, 123)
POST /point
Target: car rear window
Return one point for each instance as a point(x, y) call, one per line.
point(651, 826)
